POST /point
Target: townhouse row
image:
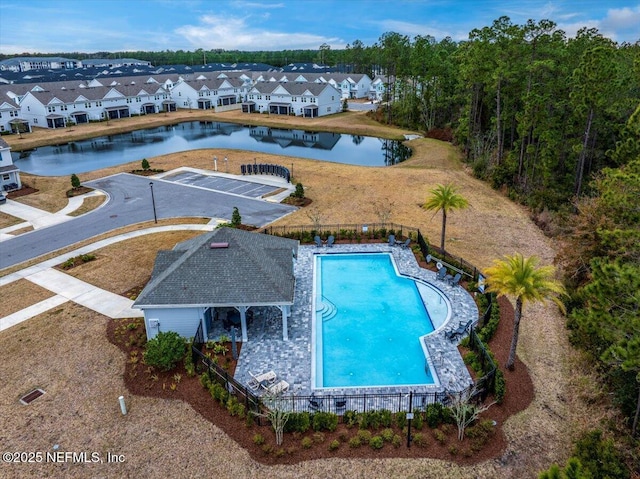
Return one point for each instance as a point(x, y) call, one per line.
point(60, 104)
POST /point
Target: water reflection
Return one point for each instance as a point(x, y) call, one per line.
point(88, 155)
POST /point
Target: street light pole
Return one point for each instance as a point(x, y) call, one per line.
point(153, 202)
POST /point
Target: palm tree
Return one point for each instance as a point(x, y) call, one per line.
point(445, 198)
point(518, 276)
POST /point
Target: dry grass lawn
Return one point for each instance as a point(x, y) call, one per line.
point(19, 295)
point(163, 438)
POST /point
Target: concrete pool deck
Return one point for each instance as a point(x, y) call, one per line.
point(291, 360)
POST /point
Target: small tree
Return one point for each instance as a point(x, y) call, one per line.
point(383, 210)
point(299, 193)
point(345, 105)
point(465, 412)
point(145, 164)
point(276, 413)
point(315, 215)
point(165, 350)
point(236, 219)
point(445, 198)
point(75, 181)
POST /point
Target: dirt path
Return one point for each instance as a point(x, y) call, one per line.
point(80, 370)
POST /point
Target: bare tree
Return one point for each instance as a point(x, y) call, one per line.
point(383, 210)
point(464, 411)
point(315, 215)
point(276, 413)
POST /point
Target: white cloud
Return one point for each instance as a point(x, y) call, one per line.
point(412, 29)
point(622, 19)
point(235, 34)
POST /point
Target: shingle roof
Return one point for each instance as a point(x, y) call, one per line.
point(255, 269)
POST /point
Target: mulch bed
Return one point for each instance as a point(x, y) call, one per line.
point(142, 380)
point(149, 172)
point(24, 191)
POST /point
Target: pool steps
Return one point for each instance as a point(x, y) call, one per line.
point(327, 309)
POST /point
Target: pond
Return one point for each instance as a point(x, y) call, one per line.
point(96, 153)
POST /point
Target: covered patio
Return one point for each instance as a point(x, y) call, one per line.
point(279, 108)
point(216, 281)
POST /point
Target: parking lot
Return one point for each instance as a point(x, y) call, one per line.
point(252, 188)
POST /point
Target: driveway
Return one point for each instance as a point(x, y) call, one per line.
point(129, 203)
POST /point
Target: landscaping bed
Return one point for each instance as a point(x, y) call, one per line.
point(324, 435)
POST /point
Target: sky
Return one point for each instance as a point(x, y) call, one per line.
point(88, 26)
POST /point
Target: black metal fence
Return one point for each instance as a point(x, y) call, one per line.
point(339, 403)
point(358, 232)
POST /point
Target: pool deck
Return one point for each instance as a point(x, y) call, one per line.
point(291, 360)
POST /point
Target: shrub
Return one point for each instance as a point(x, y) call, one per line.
point(236, 219)
point(401, 419)
point(318, 437)
point(386, 418)
point(324, 421)
point(599, 457)
point(306, 442)
point(387, 435)
point(364, 435)
point(350, 418)
point(417, 420)
point(396, 441)
point(258, 439)
point(354, 442)
point(299, 193)
point(165, 350)
point(298, 422)
point(439, 436)
point(145, 164)
point(434, 414)
point(333, 445)
point(376, 442)
point(419, 439)
point(75, 181)
point(499, 387)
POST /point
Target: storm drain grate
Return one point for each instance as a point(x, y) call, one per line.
point(32, 396)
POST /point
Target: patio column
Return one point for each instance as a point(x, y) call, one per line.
point(243, 322)
point(285, 328)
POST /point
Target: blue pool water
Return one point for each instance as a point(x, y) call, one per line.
point(369, 321)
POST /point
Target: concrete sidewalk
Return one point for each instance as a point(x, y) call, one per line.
point(68, 288)
point(38, 218)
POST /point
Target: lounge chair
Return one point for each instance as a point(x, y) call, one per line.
point(261, 379)
point(318, 241)
point(392, 240)
point(277, 388)
point(316, 403)
point(330, 241)
point(455, 280)
point(405, 243)
point(456, 333)
point(340, 402)
point(442, 272)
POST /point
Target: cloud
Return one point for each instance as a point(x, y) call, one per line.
point(231, 33)
point(413, 29)
point(620, 20)
point(619, 25)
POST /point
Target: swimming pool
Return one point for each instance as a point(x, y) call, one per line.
point(369, 321)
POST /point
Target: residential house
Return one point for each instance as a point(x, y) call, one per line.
point(57, 108)
point(203, 93)
point(293, 98)
point(9, 173)
point(219, 276)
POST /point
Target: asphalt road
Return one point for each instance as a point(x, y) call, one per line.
point(129, 203)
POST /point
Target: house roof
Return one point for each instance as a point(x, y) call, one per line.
point(254, 269)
